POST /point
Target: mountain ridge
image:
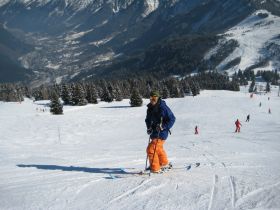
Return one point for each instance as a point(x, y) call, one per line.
point(75, 37)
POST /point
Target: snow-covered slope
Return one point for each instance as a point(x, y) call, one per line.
point(65, 162)
point(254, 35)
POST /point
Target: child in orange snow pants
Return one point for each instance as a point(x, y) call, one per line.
point(157, 155)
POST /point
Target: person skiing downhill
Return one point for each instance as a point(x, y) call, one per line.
point(237, 124)
point(248, 118)
point(196, 130)
point(159, 120)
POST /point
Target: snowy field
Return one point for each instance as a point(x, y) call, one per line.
point(68, 161)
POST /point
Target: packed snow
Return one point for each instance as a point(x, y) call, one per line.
point(74, 161)
point(252, 34)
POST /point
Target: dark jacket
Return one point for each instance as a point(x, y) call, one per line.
point(159, 114)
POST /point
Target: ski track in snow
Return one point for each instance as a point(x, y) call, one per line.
point(233, 191)
point(215, 160)
point(65, 162)
point(213, 191)
point(215, 185)
point(131, 191)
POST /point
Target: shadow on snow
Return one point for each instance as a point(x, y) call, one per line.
point(80, 169)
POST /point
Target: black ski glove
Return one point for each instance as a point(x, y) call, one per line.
point(149, 131)
point(159, 128)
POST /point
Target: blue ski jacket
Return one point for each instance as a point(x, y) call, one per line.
point(159, 114)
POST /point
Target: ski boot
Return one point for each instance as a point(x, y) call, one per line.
point(167, 167)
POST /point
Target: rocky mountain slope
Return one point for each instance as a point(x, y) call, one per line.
point(84, 38)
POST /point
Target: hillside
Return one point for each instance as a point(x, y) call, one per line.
point(11, 49)
point(76, 39)
point(257, 48)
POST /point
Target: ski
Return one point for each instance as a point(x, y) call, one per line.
point(125, 173)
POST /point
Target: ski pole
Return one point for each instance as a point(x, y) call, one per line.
point(148, 146)
point(147, 153)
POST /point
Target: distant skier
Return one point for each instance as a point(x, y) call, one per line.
point(268, 98)
point(248, 118)
point(237, 125)
point(196, 130)
point(269, 111)
point(251, 95)
point(159, 120)
point(260, 104)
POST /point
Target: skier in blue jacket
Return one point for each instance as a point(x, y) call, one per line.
point(159, 121)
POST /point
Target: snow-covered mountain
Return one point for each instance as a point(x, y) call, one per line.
point(76, 36)
point(258, 44)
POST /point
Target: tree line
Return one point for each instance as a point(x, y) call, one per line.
point(81, 93)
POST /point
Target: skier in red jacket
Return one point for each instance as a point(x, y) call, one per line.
point(237, 124)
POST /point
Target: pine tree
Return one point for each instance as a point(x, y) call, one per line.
point(186, 88)
point(111, 90)
point(107, 96)
point(165, 93)
point(55, 106)
point(148, 90)
point(27, 92)
point(10, 93)
point(79, 97)
point(45, 93)
point(194, 88)
point(198, 88)
point(118, 94)
point(66, 95)
point(234, 86)
point(135, 99)
point(91, 94)
point(37, 94)
point(181, 92)
point(174, 88)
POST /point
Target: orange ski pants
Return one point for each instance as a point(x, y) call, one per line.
point(157, 155)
